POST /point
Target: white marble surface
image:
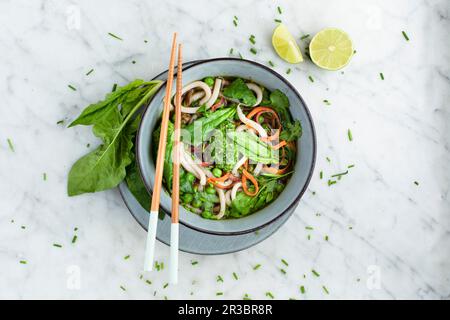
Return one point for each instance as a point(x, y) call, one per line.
point(384, 230)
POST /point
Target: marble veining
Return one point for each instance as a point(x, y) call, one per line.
point(375, 234)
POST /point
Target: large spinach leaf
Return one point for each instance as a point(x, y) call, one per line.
point(105, 167)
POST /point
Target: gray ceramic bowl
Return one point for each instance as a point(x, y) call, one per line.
point(288, 199)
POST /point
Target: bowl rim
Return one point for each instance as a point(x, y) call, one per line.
point(295, 201)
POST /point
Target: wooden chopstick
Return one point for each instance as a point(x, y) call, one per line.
point(174, 229)
point(153, 220)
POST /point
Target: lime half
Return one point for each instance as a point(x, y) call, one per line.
point(284, 44)
point(331, 49)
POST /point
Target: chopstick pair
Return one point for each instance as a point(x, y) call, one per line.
point(153, 220)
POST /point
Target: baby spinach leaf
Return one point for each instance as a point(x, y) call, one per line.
point(280, 103)
point(238, 90)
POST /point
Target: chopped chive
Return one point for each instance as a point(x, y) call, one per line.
point(23, 227)
point(326, 238)
point(89, 72)
point(236, 18)
point(235, 276)
point(75, 229)
point(328, 159)
point(285, 262)
point(304, 37)
point(252, 39)
point(246, 297)
point(321, 174)
point(381, 75)
point(72, 87)
point(123, 288)
point(257, 267)
point(235, 23)
point(318, 214)
point(126, 257)
point(240, 55)
point(350, 166)
point(416, 183)
point(253, 50)
point(279, 10)
point(219, 278)
point(350, 228)
point(311, 79)
point(288, 71)
point(325, 289)
point(114, 87)
point(57, 245)
point(309, 228)
point(44, 176)
point(339, 174)
point(133, 62)
point(331, 182)
point(165, 285)
point(23, 262)
point(314, 272)
point(219, 293)
point(349, 134)
point(74, 239)
point(302, 289)
point(60, 122)
point(277, 20)
point(231, 50)
point(271, 63)
point(405, 36)
point(308, 237)
point(148, 282)
point(326, 102)
point(145, 41)
point(282, 271)
point(270, 295)
point(194, 263)
point(354, 51)
point(114, 36)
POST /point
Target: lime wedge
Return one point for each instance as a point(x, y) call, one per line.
point(331, 49)
point(284, 44)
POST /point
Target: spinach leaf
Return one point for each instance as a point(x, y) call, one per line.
point(136, 186)
point(239, 90)
point(201, 128)
point(280, 103)
point(292, 131)
point(253, 148)
point(105, 167)
point(186, 185)
point(127, 96)
point(167, 168)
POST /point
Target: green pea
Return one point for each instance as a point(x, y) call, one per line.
point(209, 81)
point(196, 203)
point(188, 197)
point(210, 190)
point(217, 172)
point(207, 214)
point(190, 177)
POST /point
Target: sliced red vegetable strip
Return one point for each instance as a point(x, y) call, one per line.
point(246, 175)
